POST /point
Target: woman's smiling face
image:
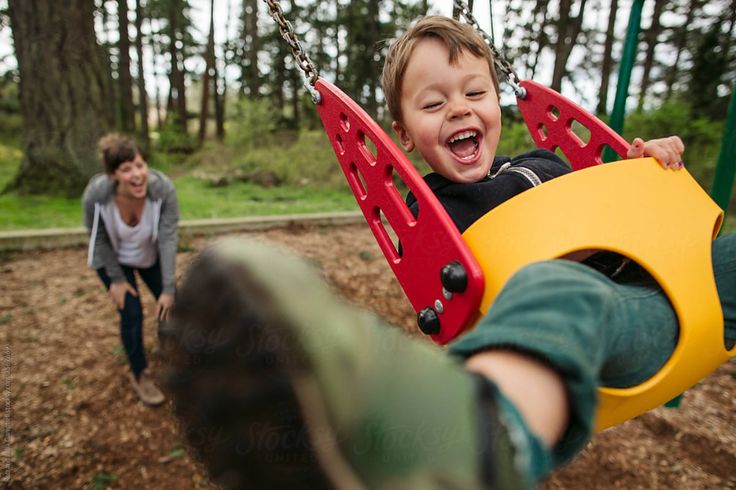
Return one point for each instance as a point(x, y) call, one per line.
point(132, 178)
point(450, 112)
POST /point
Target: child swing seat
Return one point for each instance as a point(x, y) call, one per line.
point(452, 280)
point(660, 218)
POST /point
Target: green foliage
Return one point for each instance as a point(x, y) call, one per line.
point(11, 122)
point(172, 140)
point(10, 159)
point(308, 160)
point(176, 452)
point(710, 66)
point(119, 353)
point(252, 124)
point(101, 480)
point(729, 225)
point(515, 139)
point(702, 137)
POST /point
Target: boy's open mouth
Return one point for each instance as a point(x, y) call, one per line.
point(464, 145)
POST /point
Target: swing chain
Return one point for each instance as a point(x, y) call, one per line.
point(301, 58)
point(502, 64)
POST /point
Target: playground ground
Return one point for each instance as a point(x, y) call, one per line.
point(75, 422)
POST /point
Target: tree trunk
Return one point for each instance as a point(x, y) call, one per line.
point(540, 10)
point(220, 87)
point(109, 80)
point(250, 81)
point(221, 82)
point(568, 29)
point(125, 81)
point(607, 62)
point(373, 72)
point(255, 77)
point(650, 36)
point(336, 41)
point(731, 27)
point(64, 98)
point(156, 50)
point(681, 36)
point(142, 94)
point(207, 78)
point(177, 93)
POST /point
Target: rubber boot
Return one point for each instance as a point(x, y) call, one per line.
point(281, 385)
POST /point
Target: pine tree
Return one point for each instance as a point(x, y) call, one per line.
point(64, 94)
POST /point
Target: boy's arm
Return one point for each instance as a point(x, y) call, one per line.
point(668, 151)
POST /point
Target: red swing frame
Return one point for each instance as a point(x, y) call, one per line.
point(431, 241)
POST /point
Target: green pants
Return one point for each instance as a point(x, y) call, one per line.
point(593, 330)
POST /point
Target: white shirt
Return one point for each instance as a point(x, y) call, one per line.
point(136, 247)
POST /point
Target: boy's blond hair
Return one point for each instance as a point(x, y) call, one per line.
point(456, 36)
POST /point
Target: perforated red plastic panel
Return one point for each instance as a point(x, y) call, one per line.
point(371, 161)
point(551, 118)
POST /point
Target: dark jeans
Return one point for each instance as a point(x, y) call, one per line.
point(131, 316)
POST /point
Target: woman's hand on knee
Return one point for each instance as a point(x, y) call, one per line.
point(117, 293)
point(165, 302)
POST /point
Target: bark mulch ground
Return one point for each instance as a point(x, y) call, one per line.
point(75, 422)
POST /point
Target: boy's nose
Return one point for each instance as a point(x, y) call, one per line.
point(458, 109)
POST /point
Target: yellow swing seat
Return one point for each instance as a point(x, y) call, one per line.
point(659, 218)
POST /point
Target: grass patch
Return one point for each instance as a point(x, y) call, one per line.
point(102, 480)
point(27, 212)
point(198, 200)
point(10, 158)
point(176, 452)
point(119, 353)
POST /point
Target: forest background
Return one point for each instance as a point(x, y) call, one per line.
point(223, 111)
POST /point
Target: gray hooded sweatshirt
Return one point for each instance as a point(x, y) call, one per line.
point(99, 203)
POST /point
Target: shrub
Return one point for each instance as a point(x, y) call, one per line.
point(701, 136)
point(253, 124)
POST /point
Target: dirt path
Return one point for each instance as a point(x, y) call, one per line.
point(75, 422)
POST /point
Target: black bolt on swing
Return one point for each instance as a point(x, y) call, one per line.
point(428, 321)
point(453, 277)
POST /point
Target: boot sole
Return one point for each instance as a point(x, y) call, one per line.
point(241, 383)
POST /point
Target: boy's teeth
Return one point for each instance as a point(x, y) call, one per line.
point(461, 136)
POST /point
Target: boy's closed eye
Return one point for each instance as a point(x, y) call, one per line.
point(431, 105)
point(476, 93)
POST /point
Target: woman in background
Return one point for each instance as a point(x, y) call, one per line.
point(132, 215)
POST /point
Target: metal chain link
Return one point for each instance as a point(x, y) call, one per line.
point(301, 58)
point(502, 64)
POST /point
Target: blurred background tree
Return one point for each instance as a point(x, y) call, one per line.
point(167, 71)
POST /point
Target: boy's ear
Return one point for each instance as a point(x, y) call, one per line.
point(404, 139)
